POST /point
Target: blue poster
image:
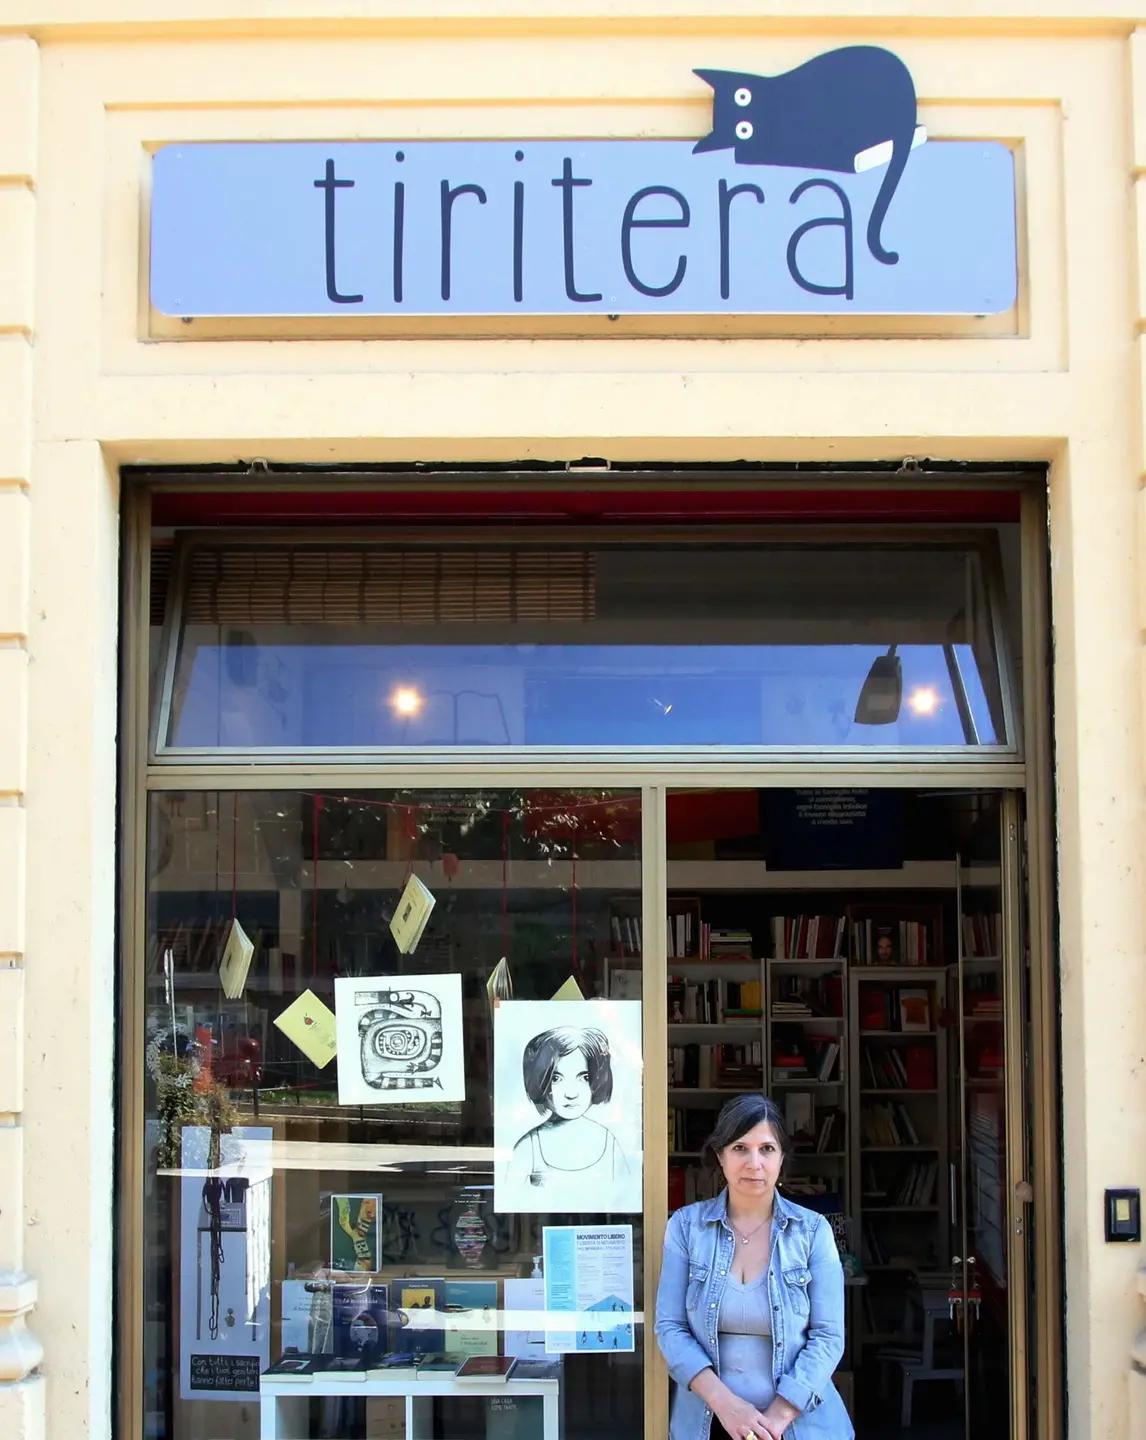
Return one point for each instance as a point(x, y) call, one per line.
point(588, 1288)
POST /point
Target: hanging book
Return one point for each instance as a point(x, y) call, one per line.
point(309, 1024)
point(410, 917)
point(499, 986)
point(236, 962)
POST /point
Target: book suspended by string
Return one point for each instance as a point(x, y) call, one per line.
point(499, 986)
point(309, 1024)
point(569, 991)
point(236, 962)
point(410, 917)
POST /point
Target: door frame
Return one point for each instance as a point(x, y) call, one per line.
point(1042, 1361)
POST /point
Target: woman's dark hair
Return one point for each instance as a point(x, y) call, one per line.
point(737, 1118)
point(540, 1057)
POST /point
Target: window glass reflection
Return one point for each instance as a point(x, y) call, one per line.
point(320, 1226)
point(634, 647)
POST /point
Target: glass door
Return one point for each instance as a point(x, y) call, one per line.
point(392, 1088)
point(990, 1192)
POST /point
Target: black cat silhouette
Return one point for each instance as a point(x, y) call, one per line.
point(846, 110)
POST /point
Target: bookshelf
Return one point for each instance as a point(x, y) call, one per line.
point(899, 1142)
point(716, 1043)
point(808, 1047)
point(861, 1056)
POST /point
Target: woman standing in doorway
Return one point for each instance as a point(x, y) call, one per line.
point(750, 1308)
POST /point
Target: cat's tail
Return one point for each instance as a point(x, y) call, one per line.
point(901, 149)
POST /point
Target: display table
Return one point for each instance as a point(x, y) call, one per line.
point(285, 1409)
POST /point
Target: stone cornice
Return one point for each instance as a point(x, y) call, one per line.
point(83, 19)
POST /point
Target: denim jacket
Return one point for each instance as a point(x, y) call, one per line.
point(806, 1289)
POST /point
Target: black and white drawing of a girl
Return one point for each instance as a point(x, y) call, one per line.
point(568, 1072)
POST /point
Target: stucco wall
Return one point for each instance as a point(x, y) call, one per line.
point(85, 88)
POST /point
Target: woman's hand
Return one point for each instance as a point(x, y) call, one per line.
point(778, 1416)
point(738, 1417)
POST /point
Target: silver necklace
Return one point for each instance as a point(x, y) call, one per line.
point(744, 1239)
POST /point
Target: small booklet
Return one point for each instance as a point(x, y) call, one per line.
point(486, 1367)
point(344, 1367)
point(309, 1024)
point(526, 1369)
point(440, 1363)
point(410, 917)
point(236, 962)
point(499, 986)
point(300, 1368)
point(393, 1367)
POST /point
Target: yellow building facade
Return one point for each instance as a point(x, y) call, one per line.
point(92, 382)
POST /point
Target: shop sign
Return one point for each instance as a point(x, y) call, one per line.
point(816, 192)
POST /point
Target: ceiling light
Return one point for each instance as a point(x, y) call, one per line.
point(406, 701)
point(923, 700)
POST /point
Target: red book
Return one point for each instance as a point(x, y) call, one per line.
point(919, 1062)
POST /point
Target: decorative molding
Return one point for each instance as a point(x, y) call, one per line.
point(20, 1351)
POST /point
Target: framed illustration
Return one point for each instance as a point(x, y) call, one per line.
point(399, 1039)
point(567, 1107)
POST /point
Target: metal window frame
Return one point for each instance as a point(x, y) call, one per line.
point(979, 541)
point(1028, 768)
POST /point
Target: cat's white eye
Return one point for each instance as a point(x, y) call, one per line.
point(744, 130)
point(743, 96)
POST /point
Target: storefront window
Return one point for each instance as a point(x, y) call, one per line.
point(312, 646)
point(393, 1098)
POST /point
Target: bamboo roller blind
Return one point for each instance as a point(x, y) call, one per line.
point(366, 585)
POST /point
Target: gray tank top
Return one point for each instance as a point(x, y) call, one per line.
point(745, 1335)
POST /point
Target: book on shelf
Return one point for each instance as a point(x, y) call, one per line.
point(721, 943)
point(828, 1058)
point(982, 936)
point(684, 932)
point(919, 1185)
point(485, 1367)
point(887, 1125)
point(919, 1067)
point(795, 996)
point(360, 1318)
point(689, 1183)
point(714, 1067)
point(884, 1067)
point(690, 1126)
point(797, 1055)
point(536, 1369)
point(296, 1369)
point(419, 1303)
point(830, 1134)
point(808, 937)
point(799, 1116)
point(625, 934)
point(440, 1362)
point(914, 1008)
point(399, 1365)
point(905, 1008)
point(345, 1368)
point(713, 1002)
point(894, 942)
